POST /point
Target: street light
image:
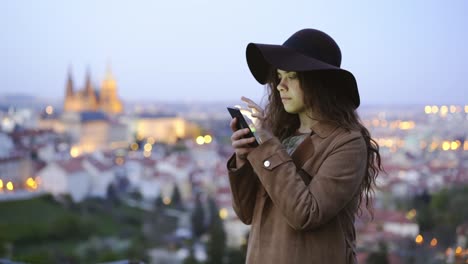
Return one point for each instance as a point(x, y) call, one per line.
point(419, 239)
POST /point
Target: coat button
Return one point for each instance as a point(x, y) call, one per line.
point(266, 163)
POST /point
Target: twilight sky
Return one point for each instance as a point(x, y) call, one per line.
point(401, 52)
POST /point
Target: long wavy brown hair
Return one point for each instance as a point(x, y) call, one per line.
point(323, 94)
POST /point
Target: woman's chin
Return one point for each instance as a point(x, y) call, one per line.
point(290, 111)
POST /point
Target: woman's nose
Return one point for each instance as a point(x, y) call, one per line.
point(282, 86)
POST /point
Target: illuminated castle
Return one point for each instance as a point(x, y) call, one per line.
point(90, 99)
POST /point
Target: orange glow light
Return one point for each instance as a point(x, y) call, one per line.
point(446, 145)
point(427, 109)
point(31, 183)
point(223, 213)
point(455, 144)
point(148, 147)
point(200, 140)
point(433, 242)
point(167, 201)
point(134, 146)
point(444, 110)
point(74, 152)
point(419, 239)
point(10, 186)
point(453, 109)
point(207, 139)
point(406, 125)
point(411, 214)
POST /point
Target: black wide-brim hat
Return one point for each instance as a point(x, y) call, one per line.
point(308, 50)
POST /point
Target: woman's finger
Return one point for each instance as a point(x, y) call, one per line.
point(258, 115)
point(233, 124)
point(256, 108)
point(252, 104)
point(242, 143)
point(238, 134)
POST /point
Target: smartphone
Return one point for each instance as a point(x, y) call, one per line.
point(243, 123)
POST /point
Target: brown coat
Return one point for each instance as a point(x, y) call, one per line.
point(292, 222)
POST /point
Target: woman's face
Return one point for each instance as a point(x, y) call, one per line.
point(291, 92)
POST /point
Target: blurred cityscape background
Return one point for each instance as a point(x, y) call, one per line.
point(114, 133)
point(79, 185)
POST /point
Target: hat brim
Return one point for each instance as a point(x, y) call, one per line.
point(261, 58)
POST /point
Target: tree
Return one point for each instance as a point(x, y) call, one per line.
point(449, 210)
point(424, 217)
point(380, 256)
point(158, 203)
point(216, 246)
point(176, 199)
point(136, 195)
point(235, 256)
point(190, 259)
point(198, 219)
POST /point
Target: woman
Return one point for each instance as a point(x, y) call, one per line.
point(315, 163)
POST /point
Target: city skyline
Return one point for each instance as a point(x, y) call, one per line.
point(195, 51)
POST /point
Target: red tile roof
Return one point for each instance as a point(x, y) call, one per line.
point(99, 165)
point(71, 165)
point(391, 216)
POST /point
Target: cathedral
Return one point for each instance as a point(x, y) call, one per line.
point(90, 99)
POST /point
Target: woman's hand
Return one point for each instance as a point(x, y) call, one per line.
point(240, 143)
point(262, 132)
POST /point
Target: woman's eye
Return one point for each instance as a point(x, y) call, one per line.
point(292, 76)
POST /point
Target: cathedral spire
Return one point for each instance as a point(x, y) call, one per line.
point(69, 87)
point(91, 100)
point(109, 71)
point(110, 102)
point(89, 91)
point(109, 82)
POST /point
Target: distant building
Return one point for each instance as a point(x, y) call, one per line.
point(163, 128)
point(6, 145)
point(102, 175)
point(90, 99)
point(15, 168)
point(93, 119)
point(66, 177)
point(91, 131)
point(388, 225)
point(50, 119)
point(20, 154)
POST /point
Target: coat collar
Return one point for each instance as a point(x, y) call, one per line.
point(324, 128)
